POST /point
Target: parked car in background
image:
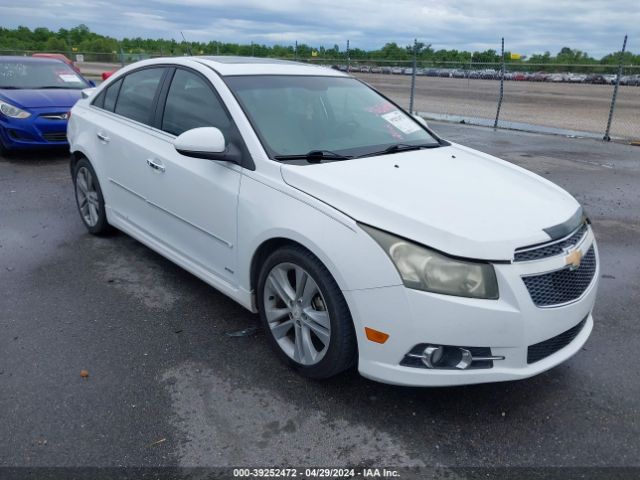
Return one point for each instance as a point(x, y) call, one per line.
point(323, 225)
point(634, 80)
point(376, 69)
point(36, 95)
point(597, 79)
point(396, 71)
point(541, 77)
point(575, 77)
point(58, 56)
point(489, 74)
point(556, 78)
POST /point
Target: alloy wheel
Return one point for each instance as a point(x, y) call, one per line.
point(87, 196)
point(297, 313)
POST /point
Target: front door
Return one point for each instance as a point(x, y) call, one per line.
point(194, 201)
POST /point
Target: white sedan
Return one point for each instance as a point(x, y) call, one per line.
point(359, 236)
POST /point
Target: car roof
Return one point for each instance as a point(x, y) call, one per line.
point(232, 65)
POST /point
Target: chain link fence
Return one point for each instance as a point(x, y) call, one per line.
point(554, 98)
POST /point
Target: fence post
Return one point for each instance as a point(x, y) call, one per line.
point(295, 51)
point(606, 137)
point(413, 75)
point(121, 57)
point(348, 59)
point(495, 124)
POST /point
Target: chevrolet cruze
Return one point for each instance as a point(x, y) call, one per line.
point(359, 235)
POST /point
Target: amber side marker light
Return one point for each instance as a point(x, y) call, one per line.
point(375, 335)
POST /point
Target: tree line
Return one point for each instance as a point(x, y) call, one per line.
point(81, 39)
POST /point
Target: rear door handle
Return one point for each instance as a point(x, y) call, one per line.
point(155, 165)
point(102, 137)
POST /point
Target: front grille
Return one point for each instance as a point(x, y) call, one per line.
point(550, 249)
point(548, 347)
point(55, 137)
point(562, 286)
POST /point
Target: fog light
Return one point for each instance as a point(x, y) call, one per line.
point(432, 355)
point(449, 357)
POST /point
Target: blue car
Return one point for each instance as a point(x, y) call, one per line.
point(36, 95)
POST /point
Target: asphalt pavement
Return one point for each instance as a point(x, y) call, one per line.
point(167, 385)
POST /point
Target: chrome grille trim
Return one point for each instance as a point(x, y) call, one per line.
point(551, 249)
point(56, 116)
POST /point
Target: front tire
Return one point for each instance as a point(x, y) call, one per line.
point(4, 151)
point(304, 314)
point(89, 198)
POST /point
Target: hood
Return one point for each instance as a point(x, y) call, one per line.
point(43, 98)
point(454, 199)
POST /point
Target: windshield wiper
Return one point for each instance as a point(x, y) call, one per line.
point(314, 156)
point(399, 147)
point(11, 87)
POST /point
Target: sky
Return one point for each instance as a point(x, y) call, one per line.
point(529, 26)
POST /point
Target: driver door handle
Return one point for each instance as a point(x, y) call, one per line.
point(102, 137)
point(155, 165)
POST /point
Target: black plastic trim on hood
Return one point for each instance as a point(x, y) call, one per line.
point(565, 228)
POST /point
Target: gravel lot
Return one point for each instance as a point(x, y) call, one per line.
point(167, 386)
point(569, 106)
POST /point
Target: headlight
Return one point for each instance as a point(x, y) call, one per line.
point(424, 269)
point(11, 111)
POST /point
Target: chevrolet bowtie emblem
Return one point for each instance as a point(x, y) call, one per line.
point(573, 259)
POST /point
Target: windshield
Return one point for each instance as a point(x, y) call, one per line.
point(294, 115)
point(34, 75)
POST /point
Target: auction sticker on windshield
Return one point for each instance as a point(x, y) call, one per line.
point(66, 77)
point(401, 122)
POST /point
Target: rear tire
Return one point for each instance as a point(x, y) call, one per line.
point(89, 198)
point(304, 314)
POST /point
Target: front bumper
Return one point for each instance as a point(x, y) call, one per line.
point(508, 326)
point(37, 131)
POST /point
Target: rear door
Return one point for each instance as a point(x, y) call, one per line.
point(125, 135)
point(194, 201)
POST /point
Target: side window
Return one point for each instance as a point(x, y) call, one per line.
point(110, 96)
point(138, 90)
point(99, 100)
point(191, 103)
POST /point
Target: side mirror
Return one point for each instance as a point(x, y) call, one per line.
point(206, 142)
point(421, 120)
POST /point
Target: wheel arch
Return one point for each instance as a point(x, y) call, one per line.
point(266, 248)
point(74, 158)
